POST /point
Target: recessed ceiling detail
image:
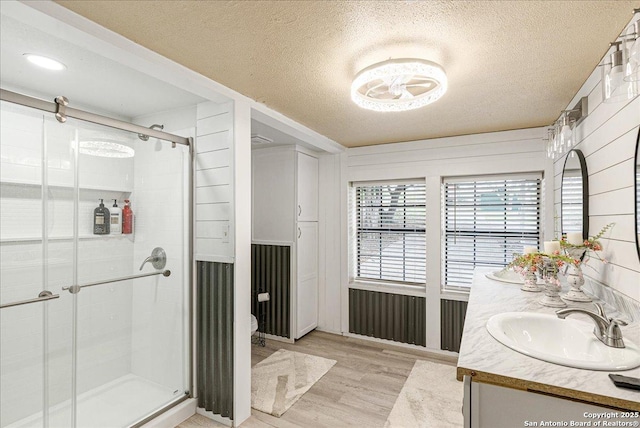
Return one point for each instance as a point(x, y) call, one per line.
point(45, 62)
point(399, 85)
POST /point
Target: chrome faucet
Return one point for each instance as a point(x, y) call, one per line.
point(607, 329)
point(158, 259)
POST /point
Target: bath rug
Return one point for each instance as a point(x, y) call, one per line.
point(281, 379)
point(431, 397)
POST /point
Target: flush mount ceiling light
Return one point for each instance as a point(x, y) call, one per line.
point(45, 62)
point(399, 85)
point(106, 149)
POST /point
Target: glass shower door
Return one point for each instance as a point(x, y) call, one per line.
point(36, 234)
point(130, 333)
point(115, 352)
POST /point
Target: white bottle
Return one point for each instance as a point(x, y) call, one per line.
point(116, 218)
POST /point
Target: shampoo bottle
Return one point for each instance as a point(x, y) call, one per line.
point(116, 218)
point(127, 218)
point(101, 220)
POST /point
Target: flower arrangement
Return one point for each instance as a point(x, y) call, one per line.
point(545, 265)
point(526, 263)
point(589, 245)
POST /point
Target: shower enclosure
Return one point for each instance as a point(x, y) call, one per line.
point(88, 336)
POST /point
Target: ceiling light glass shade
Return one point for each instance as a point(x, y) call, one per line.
point(631, 53)
point(399, 85)
point(106, 149)
point(614, 87)
point(566, 137)
point(45, 62)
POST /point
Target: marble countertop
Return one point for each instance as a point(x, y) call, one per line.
point(489, 361)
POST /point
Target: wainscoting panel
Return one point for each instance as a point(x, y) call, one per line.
point(214, 337)
point(271, 272)
point(452, 314)
point(388, 316)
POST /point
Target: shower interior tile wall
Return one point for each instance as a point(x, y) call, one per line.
point(160, 203)
point(112, 317)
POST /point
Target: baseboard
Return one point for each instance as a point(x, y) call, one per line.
point(279, 338)
point(174, 416)
point(220, 419)
point(451, 357)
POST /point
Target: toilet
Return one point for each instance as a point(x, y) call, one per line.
point(254, 324)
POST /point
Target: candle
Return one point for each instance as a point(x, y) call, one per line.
point(575, 238)
point(530, 250)
point(551, 247)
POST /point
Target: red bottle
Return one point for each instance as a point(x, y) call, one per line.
point(127, 218)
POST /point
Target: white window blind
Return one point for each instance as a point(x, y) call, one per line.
point(485, 222)
point(390, 232)
point(572, 201)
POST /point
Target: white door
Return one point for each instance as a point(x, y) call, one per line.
point(307, 188)
point(307, 278)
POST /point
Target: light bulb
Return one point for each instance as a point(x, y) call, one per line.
point(631, 53)
point(566, 136)
point(632, 70)
point(549, 149)
point(615, 88)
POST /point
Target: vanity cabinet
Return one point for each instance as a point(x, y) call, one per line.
point(490, 406)
point(285, 212)
point(505, 388)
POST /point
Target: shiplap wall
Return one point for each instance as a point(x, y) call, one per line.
point(214, 183)
point(607, 137)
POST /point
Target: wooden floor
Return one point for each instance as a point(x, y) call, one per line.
point(360, 390)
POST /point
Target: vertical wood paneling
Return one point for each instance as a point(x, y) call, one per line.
point(388, 316)
point(214, 333)
point(271, 273)
point(452, 315)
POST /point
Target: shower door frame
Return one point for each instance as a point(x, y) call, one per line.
point(61, 110)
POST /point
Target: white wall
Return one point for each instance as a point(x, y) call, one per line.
point(214, 183)
point(430, 160)
point(607, 138)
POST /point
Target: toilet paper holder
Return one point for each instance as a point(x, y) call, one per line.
point(261, 315)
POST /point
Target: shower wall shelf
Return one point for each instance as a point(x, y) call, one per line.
point(64, 186)
point(131, 237)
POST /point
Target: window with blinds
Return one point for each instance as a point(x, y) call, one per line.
point(485, 221)
point(572, 201)
point(390, 232)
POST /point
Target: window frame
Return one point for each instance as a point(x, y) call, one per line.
point(355, 241)
point(506, 177)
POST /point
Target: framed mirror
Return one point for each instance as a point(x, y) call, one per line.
point(637, 193)
point(574, 202)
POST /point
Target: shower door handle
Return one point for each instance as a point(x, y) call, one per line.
point(42, 297)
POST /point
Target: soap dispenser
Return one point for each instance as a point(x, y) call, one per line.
point(127, 218)
point(116, 218)
point(101, 220)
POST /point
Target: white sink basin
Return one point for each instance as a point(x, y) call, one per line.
point(567, 342)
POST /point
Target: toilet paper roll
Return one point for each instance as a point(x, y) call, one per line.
point(263, 297)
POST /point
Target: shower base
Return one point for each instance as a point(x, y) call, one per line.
point(119, 403)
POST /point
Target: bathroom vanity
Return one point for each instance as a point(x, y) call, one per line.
point(504, 388)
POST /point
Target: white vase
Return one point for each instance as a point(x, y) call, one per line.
point(576, 280)
point(530, 283)
point(551, 296)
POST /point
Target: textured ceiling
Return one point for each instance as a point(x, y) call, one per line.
point(510, 64)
